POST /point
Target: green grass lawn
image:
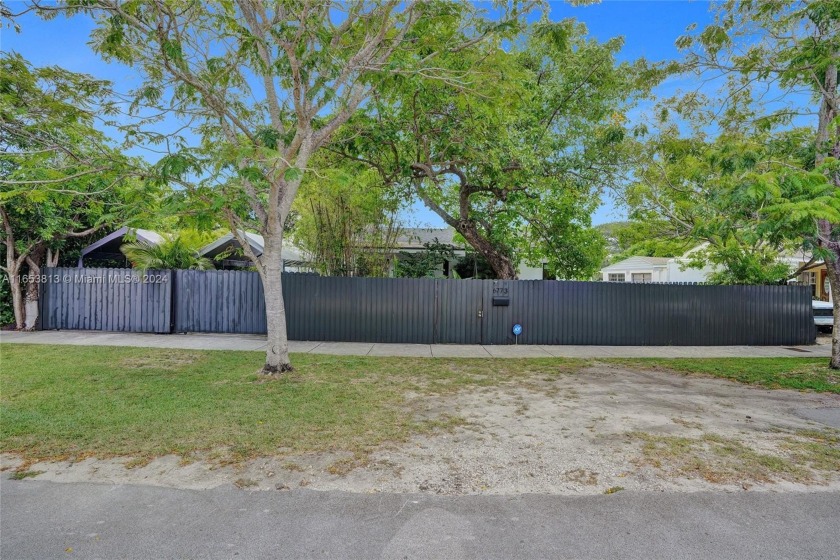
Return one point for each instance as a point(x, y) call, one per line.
point(65, 401)
point(74, 401)
point(801, 374)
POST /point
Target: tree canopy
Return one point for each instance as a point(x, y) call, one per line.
point(513, 150)
point(266, 85)
point(61, 177)
point(176, 251)
point(745, 198)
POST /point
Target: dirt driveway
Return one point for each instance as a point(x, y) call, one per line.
point(602, 429)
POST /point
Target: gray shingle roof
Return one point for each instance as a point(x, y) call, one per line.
point(639, 261)
point(414, 238)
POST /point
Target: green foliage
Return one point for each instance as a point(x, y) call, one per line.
point(747, 197)
point(58, 173)
point(7, 314)
point(51, 143)
point(791, 43)
point(265, 98)
point(265, 86)
point(473, 265)
point(424, 264)
point(61, 179)
point(513, 154)
point(736, 264)
point(174, 252)
point(785, 48)
point(642, 238)
point(347, 221)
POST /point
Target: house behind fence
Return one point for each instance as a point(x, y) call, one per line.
point(426, 311)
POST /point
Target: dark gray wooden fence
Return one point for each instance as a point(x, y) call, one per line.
point(106, 299)
point(220, 301)
point(443, 311)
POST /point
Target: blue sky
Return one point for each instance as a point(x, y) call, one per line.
point(650, 29)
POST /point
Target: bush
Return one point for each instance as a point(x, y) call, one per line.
point(7, 312)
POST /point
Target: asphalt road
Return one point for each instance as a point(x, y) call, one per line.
point(49, 520)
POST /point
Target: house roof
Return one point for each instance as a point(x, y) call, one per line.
point(257, 243)
point(816, 266)
point(228, 241)
point(408, 239)
point(415, 238)
point(111, 243)
point(638, 262)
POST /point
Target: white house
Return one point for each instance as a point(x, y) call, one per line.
point(653, 269)
point(675, 269)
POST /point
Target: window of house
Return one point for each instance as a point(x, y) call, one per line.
point(642, 277)
point(616, 277)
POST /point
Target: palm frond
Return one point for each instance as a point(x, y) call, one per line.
point(172, 253)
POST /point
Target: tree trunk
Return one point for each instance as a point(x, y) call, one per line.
point(33, 292)
point(498, 261)
point(30, 306)
point(827, 116)
point(277, 354)
point(834, 282)
point(52, 258)
point(13, 266)
point(17, 297)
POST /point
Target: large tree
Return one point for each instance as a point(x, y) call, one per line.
point(741, 200)
point(791, 50)
point(512, 152)
point(265, 85)
point(60, 177)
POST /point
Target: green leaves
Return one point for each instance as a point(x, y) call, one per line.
point(747, 199)
point(268, 137)
point(514, 141)
point(346, 218)
point(174, 252)
point(714, 38)
point(177, 166)
point(292, 174)
point(59, 175)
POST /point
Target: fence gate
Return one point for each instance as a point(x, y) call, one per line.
point(459, 313)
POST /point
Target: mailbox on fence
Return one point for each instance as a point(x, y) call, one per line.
point(501, 295)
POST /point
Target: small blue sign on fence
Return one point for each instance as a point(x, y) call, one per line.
point(517, 329)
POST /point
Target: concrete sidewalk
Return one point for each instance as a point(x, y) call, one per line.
point(258, 342)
